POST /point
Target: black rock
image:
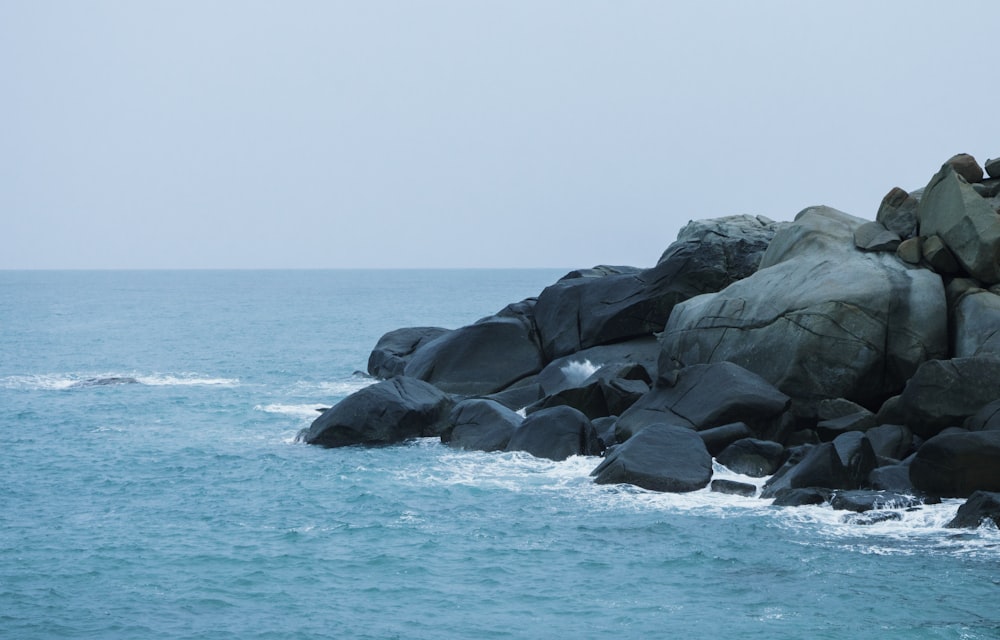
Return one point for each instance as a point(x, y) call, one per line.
point(734, 488)
point(481, 358)
point(943, 393)
point(718, 438)
point(890, 440)
point(844, 463)
point(752, 457)
point(388, 412)
point(573, 370)
point(955, 465)
point(394, 349)
point(801, 497)
point(981, 506)
point(871, 517)
point(705, 396)
point(556, 434)
point(986, 419)
point(479, 424)
point(895, 478)
point(661, 457)
point(862, 501)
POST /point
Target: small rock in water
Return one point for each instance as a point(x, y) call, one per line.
point(734, 488)
point(871, 517)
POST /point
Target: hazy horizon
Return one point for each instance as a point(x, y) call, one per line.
point(562, 134)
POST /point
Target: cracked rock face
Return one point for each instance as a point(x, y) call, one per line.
point(819, 319)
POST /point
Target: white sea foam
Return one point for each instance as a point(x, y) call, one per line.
point(917, 530)
point(304, 411)
point(59, 381)
point(577, 371)
point(336, 388)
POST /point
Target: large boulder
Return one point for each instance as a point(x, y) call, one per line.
point(661, 457)
point(955, 465)
point(394, 349)
point(577, 313)
point(481, 358)
point(384, 413)
point(556, 433)
point(705, 396)
point(943, 393)
point(976, 324)
point(478, 424)
point(951, 209)
point(819, 319)
point(898, 213)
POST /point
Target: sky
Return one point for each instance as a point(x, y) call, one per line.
point(464, 133)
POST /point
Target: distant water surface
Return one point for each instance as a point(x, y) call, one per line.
point(170, 500)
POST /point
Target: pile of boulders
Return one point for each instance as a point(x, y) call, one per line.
point(854, 362)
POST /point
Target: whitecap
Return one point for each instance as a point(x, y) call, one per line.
point(305, 411)
point(576, 371)
point(185, 379)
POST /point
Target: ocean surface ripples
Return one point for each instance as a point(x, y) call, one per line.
point(179, 506)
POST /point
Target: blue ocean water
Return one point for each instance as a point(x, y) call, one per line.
point(176, 504)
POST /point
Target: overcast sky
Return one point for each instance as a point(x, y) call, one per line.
point(464, 133)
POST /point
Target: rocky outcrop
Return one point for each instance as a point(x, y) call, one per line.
point(819, 319)
point(661, 457)
point(384, 413)
point(830, 346)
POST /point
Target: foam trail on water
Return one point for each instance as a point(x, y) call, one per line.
point(307, 412)
point(61, 381)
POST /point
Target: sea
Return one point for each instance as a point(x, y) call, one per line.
point(151, 487)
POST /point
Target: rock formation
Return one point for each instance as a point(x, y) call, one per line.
point(844, 356)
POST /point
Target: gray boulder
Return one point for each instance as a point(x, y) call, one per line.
point(890, 440)
point(556, 434)
point(976, 324)
point(608, 391)
point(993, 167)
point(661, 457)
point(819, 319)
point(895, 478)
point(394, 349)
point(481, 358)
point(898, 213)
point(717, 439)
point(873, 236)
point(705, 396)
point(910, 250)
point(968, 225)
point(943, 393)
point(388, 412)
point(956, 465)
point(478, 424)
point(966, 166)
point(577, 313)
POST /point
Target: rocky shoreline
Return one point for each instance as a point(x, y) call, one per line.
point(852, 362)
